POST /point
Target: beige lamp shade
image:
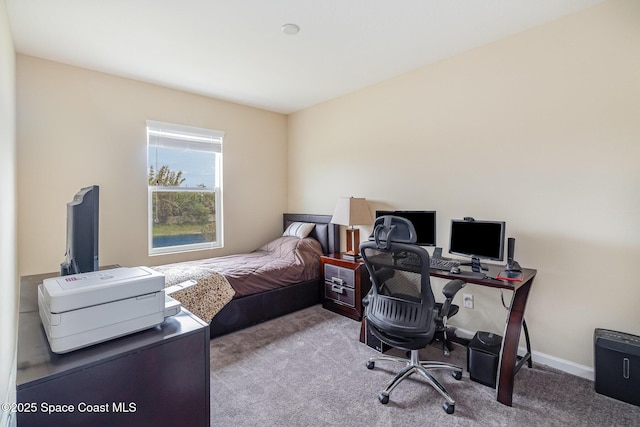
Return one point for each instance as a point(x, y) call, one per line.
point(352, 211)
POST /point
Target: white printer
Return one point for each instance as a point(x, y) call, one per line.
point(83, 309)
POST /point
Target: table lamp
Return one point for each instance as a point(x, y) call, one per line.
point(352, 211)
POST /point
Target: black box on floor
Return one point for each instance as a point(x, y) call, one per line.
point(617, 365)
point(483, 353)
point(372, 341)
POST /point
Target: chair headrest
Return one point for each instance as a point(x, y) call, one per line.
point(389, 228)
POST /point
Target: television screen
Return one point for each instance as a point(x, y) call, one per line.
point(423, 221)
point(82, 232)
point(477, 239)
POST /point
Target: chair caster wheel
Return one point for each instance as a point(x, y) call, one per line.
point(383, 398)
point(449, 408)
point(457, 375)
point(371, 364)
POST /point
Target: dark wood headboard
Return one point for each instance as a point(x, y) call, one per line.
point(325, 232)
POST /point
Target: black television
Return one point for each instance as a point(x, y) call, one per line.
point(477, 240)
point(82, 232)
point(423, 221)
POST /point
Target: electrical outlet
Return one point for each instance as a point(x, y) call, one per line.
point(467, 300)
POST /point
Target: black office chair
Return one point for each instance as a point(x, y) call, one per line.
point(400, 309)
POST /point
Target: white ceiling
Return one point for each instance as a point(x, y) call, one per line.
point(234, 49)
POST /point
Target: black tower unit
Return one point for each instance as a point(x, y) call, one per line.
point(617, 365)
point(483, 353)
point(374, 342)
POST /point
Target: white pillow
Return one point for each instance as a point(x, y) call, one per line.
point(299, 229)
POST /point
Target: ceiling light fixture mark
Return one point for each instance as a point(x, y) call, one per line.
point(290, 29)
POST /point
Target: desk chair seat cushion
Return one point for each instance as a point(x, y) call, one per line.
point(403, 324)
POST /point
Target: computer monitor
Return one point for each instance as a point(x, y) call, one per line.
point(423, 221)
point(82, 232)
point(477, 240)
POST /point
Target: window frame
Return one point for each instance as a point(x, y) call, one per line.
point(168, 135)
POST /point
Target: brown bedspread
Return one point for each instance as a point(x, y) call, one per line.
point(284, 261)
point(204, 299)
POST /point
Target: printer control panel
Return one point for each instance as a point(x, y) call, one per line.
point(94, 278)
point(83, 279)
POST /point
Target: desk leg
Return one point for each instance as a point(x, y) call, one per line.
point(526, 337)
point(509, 350)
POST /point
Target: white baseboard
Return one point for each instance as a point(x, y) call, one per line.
point(561, 364)
point(545, 359)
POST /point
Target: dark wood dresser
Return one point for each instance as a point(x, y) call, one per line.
point(155, 377)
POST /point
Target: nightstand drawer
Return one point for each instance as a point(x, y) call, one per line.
point(339, 275)
point(345, 283)
point(340, 294)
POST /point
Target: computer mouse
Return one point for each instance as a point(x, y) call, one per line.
point(454, 270)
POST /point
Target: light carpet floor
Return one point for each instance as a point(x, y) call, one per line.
point(308, 369)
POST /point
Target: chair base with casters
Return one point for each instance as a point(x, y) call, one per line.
point(413, 365)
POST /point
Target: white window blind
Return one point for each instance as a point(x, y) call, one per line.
point(167, 135)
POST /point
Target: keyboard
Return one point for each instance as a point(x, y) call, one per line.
point(443, 263)
point(412, 261)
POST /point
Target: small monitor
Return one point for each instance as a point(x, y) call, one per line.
point(82, 232)
point(477, 239)
point(423, 221)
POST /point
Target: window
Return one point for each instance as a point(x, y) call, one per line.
point(184, 169)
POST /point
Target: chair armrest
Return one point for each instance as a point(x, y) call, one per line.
point(449, 291)
point(365, 300)
point(452, 288)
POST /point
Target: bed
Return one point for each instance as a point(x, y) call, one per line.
point(279, 278)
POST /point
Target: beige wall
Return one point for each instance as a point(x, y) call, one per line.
point(541, 130)
point(78, 127)
point(8, 241)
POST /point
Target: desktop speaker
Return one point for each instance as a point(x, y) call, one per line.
point(617, 365)
point(512, 264)
point(511, 248)
point(483, 353)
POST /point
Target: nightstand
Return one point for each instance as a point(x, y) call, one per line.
point(346, 282)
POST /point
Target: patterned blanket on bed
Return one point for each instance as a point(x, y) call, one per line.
point(204, 299)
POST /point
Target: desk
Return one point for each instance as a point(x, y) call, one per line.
point(509, 362)
point(159, 376)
